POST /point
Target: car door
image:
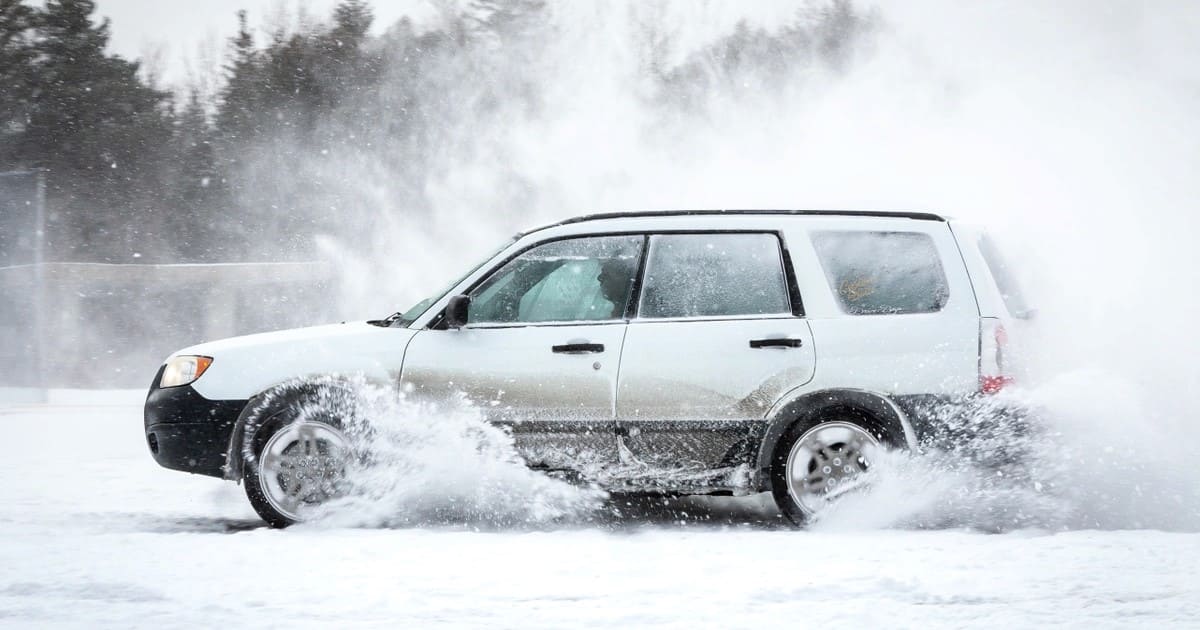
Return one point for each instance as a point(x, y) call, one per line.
point(540, 350)
point(717, 339)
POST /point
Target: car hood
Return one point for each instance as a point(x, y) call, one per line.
point(244, 366)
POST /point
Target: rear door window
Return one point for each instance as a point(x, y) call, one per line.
point(877, 273)
point(714, 275)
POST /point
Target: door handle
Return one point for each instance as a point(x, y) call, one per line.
point(776, 342)
point(577, 348)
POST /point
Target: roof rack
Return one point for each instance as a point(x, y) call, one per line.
point(920, 216)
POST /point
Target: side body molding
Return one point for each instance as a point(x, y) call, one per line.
point(812, 405)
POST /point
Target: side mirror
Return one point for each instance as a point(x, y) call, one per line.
point(456, 311)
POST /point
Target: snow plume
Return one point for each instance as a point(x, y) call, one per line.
point(1067, 128)
point(1048, 458)
point(485, 124)
point(1068, 131)
point(423, 464)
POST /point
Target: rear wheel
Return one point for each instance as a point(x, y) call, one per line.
point(300, 465)
point(816, 464)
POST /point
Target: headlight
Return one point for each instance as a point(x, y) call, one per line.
point(183, 370)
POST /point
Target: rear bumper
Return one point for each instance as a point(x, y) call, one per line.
point(186, 431)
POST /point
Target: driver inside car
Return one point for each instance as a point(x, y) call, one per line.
point(615, 277)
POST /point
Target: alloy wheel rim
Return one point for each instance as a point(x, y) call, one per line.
point(828, 461)
point(303, 466)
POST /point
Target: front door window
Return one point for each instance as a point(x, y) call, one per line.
point(574, 280)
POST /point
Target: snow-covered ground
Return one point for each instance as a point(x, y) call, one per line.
point(94, 534)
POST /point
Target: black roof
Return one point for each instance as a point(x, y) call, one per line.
point(920, 216)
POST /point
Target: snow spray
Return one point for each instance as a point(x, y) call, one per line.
point(1069, 130)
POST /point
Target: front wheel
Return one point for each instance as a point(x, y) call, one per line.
point(301, 466)
point(816, 464)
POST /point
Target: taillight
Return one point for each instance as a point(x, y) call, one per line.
point(993, 341)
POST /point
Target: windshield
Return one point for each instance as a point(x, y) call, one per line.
point(416, 310)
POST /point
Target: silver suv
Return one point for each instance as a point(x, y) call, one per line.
point(714, 352)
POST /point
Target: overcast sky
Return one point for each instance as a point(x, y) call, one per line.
point(180, 37)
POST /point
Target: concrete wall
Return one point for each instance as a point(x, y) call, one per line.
point(97, 325)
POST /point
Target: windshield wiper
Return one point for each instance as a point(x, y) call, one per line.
point(387, 321)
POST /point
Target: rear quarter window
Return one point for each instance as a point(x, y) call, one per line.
point(1010, 291)
point(882, 273)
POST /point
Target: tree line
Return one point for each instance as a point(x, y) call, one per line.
point(136, 173)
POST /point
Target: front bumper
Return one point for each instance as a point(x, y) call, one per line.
point(186, 431)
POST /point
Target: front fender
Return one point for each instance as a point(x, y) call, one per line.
point(276, 397)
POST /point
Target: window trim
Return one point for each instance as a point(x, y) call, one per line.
point(635, 291)
point(635, 294)
point(713, 318)
point(789, 271)
point(548, 324)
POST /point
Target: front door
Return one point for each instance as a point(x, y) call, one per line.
point(717, 340)
point(541, 349)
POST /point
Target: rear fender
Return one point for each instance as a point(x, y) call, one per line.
point(813, 405)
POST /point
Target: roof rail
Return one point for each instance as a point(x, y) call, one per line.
point(920, 216)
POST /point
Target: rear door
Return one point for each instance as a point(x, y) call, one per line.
point(541, 349)
point(717, 339)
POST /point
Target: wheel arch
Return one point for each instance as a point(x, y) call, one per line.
point(812, 405)
point(272, 399)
